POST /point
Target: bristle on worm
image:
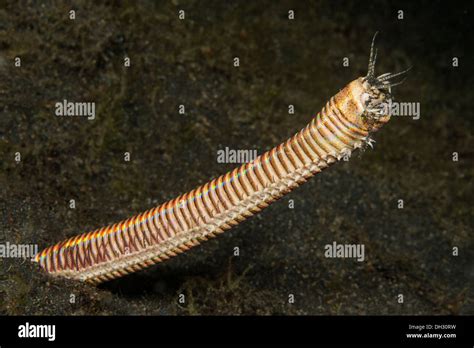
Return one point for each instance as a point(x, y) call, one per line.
point(342, 126)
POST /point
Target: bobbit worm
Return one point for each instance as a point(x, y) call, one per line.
point(342, 126)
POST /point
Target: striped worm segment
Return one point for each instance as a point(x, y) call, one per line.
point(342, 126)
point(184, 222)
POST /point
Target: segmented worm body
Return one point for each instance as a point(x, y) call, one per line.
point(342, 126)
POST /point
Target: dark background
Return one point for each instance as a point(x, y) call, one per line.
point(283, 62)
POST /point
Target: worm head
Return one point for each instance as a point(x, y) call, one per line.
point(375, 94)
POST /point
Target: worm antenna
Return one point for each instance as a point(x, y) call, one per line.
point(385, 77)
point(388, 85)
point(384, 81)
point(372, 59)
